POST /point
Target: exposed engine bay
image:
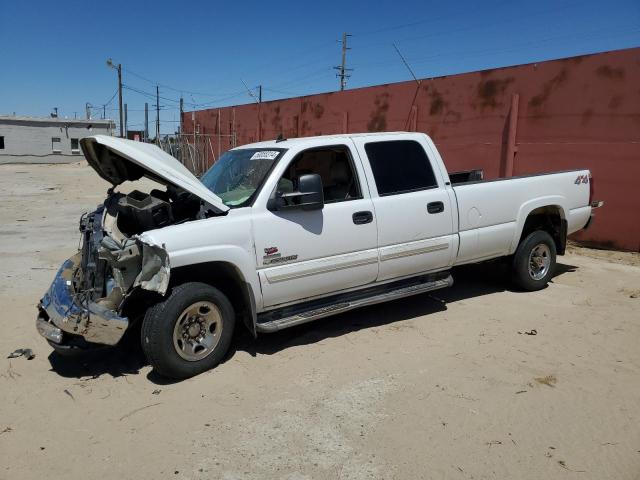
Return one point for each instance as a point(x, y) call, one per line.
point(115, 258)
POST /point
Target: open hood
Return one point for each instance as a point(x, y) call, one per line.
point(118, 160)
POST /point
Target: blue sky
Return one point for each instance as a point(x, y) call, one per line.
point(53, 53)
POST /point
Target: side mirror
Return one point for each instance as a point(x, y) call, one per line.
point(309, 195)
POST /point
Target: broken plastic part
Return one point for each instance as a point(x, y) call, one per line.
point(155, 272)
point(136, 262)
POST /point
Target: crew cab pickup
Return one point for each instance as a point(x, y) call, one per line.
point(284, 232)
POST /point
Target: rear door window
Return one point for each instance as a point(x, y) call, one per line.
point(400, 166)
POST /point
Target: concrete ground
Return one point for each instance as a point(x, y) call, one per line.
point(450, 385)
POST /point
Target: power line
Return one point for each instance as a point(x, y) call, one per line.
point(102, 106)
point(406, 64)
point(481, 6)
point(151, 95)
point(219, 97)
point(314, 74)
point(283, 92)
point(517, 47)
point(251, 94)
point(452, 30)
point(108, 102)
point(179, 90)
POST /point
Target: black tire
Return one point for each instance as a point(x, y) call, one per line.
point(163, 350)
point(536, 277)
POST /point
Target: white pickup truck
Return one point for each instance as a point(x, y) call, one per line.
point(284, 232)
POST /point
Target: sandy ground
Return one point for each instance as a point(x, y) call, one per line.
point(441, 386)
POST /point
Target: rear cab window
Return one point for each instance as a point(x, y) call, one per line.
point(400, 166)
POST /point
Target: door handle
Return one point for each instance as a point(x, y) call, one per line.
point(360, 218)
point(435, 207)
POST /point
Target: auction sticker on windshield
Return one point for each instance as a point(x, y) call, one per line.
point(265, 155)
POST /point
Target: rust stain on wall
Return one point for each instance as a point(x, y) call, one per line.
point(276, 121)
point(437, 102)
point(615, 102)
point(547, 88)
point(318, 110)
point(586, 116)
point(378, 119)
point(305, 128)
point(452, 117)
point(490, 92)
point(608, 72)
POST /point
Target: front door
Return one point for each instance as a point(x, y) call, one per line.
point(305, 254)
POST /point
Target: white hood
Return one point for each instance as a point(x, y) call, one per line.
point(118, 160)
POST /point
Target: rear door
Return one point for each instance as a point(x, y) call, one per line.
point(304, 254)
point(412, 206)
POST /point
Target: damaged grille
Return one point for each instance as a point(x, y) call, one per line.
point(90, 278)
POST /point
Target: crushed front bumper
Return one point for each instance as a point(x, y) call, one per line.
point(61, 314)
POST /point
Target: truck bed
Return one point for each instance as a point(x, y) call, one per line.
point(490, 210)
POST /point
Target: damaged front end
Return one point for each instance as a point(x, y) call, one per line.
point(84, 304)
point(96, 290)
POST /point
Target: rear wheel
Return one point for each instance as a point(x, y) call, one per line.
point(189, 332)
point(534, 261)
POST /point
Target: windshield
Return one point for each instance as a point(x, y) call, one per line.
point(238, 174)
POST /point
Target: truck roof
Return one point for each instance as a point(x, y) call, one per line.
point(301, 141)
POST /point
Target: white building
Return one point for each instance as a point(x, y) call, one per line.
point(46, 139)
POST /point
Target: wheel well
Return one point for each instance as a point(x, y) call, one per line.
point(226, 278)
point(137, 303)
point(551, 220)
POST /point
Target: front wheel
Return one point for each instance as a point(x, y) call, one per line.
point(189, 332)
point(534, 261)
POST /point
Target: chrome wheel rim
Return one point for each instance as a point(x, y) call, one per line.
point(197, 331)
point(539, 261)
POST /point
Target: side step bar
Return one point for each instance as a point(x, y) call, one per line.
point(321, 311)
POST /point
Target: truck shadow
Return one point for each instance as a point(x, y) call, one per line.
point(119, 361)
point(470, 281)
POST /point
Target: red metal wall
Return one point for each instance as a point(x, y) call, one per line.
point(570, 113)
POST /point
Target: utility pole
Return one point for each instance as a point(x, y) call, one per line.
point(193, 117)
point(120, 99)
point(110, 64)
point(343, 75)
point(181, 112)
point(259, 93)
point(219, 134)
point(126, 121)
point(146, 122)
point(157, 115)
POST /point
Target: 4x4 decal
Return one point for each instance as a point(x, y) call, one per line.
point(582, 179)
